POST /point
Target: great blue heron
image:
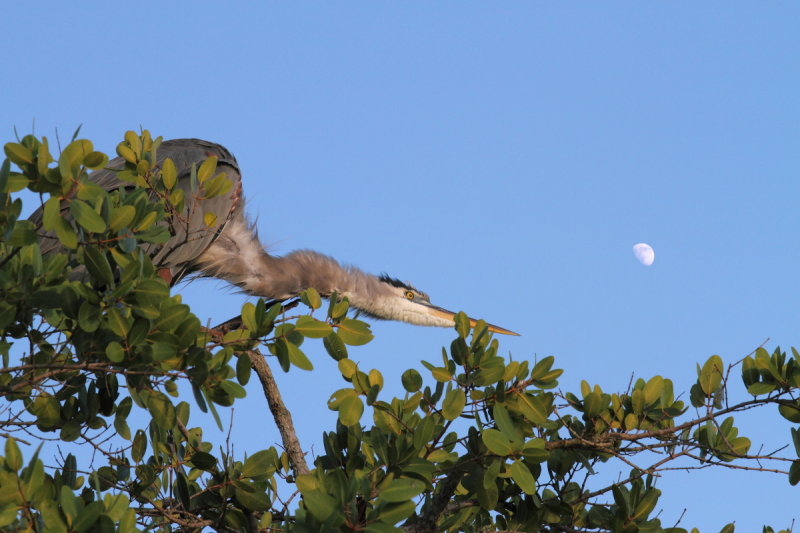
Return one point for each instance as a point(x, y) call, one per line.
point(231, 250)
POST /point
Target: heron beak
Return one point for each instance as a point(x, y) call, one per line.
point(449, 315)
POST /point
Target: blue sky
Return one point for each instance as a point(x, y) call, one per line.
point(502, 157)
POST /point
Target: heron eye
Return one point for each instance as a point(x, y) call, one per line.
point(409, 295)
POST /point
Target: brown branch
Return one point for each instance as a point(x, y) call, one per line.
point(282, 416)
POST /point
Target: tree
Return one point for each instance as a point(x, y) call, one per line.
point(89, 334)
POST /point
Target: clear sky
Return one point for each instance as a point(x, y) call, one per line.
point(503, 157)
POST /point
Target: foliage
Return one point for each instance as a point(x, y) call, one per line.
point(89, 332)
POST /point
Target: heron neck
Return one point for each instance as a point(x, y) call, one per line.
point(239, 258)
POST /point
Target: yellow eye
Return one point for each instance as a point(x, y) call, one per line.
point(409, 295)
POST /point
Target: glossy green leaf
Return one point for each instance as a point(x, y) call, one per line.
point(169, 173)
point(207, 168)
point(254, 500)
point(115, 352)
point(395, 512)
point(522, 475)
point(504, 422)
point(497, 443)
point(87, 517)
point(350, 410)
point(121, 217)
point(794, 472)
point(453, 404)
point(243, 368)
point(412, 380)
point(711, 375)
point(66, 234)
point(312, 328)
point(258, 463)
point(13, 456)
point(98, 266)
point(296, 356)
point(311, 298)
point(334, 346)
point(319, 504)
point(217, 186)
point(95, 160)
point(139, 446)
point(86, 216)
point(162, 410)
point(354, 332)
point(402, 489)
point(18, 153)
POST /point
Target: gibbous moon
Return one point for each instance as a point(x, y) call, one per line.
point(644, 253)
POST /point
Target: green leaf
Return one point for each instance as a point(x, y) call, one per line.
point(311, 298)
point(354, 332)
point(88, 516)
point(395, 512)
point(794, 472)
point(320, 504)
point(47, 410)
point(496, 442)
point(23, 234)
point(115, 352)
point(412, 380)
point(790, 412)
point(350, 410)
point(249, 316)
point(462, 324)
point(121, 217)
point(253, 500)
point(402, 489)
point(759, 388)
point(70, 503)
point(116, 322)
point(66, 235)
point(348, 368)
point(13, 454)
point(453, 404)
point(504, 422)
point(522, 475)
point(312, 328)
point(162, 410)
point(203, 461)
point(18, 153)
point(533, 408)
point(711, 375)
point(296, 356)
point(14, 181)
point(243, 368)
point(51, 215)
point(98, 266)
point(258, 464)
point(122, 428)
point(207, 169)
point(169, 174)
point(217, 186)
point(334, 346)
point(139, 446)
point(86, 216)
point(95, 160)
point(126, 153)
point(442, 375)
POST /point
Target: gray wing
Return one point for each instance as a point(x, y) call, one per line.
point(190, 237)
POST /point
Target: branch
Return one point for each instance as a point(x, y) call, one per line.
point(282, 416)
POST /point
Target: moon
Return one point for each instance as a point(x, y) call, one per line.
point(644, 253)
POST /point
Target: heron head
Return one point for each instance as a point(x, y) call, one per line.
point(403, 302)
